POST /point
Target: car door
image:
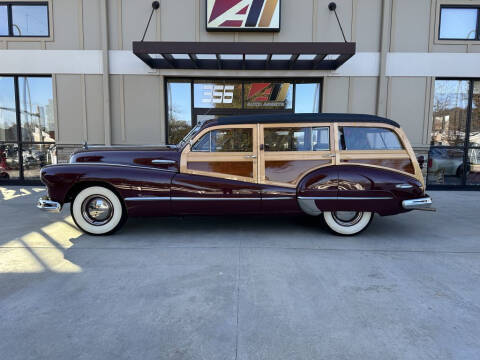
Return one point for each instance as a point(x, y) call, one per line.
point(288, 152)
point(218, 173)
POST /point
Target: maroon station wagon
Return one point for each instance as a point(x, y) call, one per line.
point(342, 168)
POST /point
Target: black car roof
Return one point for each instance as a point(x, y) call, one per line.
point(298, 118)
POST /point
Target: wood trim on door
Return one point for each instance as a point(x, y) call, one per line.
point(225, 160)
point(282, 158)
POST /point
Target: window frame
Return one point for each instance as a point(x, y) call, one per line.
point(457, 6)
point(19, 141)
point(11, 37)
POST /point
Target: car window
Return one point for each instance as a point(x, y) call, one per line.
point(286, 139)
point(368, 138)
point(297, 139)
point(226, 140)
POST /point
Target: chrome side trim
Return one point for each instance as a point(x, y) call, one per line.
point(343, 198)
point(147, 198)
point(418, 204)
point(109, 164)
point(213, 199)
point(45, 204)
point(280, 198)
point(404, 186)
point(158, 161)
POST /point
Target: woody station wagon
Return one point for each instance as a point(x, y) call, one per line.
point(342, 168)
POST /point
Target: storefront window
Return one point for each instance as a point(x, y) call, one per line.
point(454, 157)
point(307, 98)
point(190, 101)
point(3, 20)
point(179, 110)
point(27, 132)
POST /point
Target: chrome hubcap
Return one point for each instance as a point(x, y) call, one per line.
point(97, 210)
point(347, 218)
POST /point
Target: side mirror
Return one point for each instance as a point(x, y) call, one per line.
point(421, 161)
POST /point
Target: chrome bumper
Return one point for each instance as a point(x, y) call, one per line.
point(44, 203)
point(424, 203)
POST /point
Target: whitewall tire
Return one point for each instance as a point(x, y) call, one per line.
point(347, 222)
point(98, 211)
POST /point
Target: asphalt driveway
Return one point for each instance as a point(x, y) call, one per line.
point(240, 288)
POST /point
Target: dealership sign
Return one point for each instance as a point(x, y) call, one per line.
point(243, 15)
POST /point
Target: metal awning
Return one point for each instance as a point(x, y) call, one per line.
point(244, 55)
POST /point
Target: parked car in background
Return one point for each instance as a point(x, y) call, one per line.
point(341, 168)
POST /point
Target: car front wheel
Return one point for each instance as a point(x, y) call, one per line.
point(347, 222)
point(98, 211)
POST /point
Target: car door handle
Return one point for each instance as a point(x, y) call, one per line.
point(159, 162)
point(250, 157)
point(329, 156)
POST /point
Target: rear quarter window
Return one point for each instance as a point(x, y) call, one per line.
point(368, 138)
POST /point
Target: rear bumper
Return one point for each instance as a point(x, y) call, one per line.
point(424, 203)
point(45, 204)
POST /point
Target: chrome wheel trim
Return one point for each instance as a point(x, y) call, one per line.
point(347, 218)
point(97, 210)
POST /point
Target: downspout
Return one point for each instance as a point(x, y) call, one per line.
point(106, 74)
point(384, 49)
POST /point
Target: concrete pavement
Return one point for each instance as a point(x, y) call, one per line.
point(240, 288)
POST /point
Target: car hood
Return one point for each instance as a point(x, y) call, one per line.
point(161, 157)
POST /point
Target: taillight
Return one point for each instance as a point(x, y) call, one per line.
point(430, 162)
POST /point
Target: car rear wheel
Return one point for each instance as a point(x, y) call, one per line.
point(97, 210)
point(347, 222)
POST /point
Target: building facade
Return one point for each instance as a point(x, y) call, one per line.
point(69, 75)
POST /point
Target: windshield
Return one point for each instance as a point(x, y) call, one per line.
point(190, 135)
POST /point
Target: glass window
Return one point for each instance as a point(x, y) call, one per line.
point(287, 139)
point(30, 20)
point(9, 164)
point(179, 110)
point(473, 170)
point(36, 109)
point(445, 166)
point(458, 23)
point(3, 20)
point(475, 121)
point(8, 116)
point(226, 140)
point(307, 98)
point(268, 95)
point(204, 143)
point(368, 138)
point(321, 139)
point(450, 112)
point(221, 94)
point(36, 156)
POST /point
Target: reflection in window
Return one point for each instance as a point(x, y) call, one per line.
point(30, 20)
point(475, 121)
point(287, 139)
point(450, 112)
point(368, 138)
point(458, 23)
point(35, 157)
point(36, 109)
point(8, 120)
point(307, 98)
point(3, 20)
point(473, 169)
point(321, 139)
point(268, 95)
point(445, 166)
point(9, 164)
point(179, 110)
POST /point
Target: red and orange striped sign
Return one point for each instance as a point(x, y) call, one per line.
point(243, 15)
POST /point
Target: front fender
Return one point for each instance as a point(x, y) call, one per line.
point(128, 181)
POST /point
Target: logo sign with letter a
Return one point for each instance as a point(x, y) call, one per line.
point(243, 15)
